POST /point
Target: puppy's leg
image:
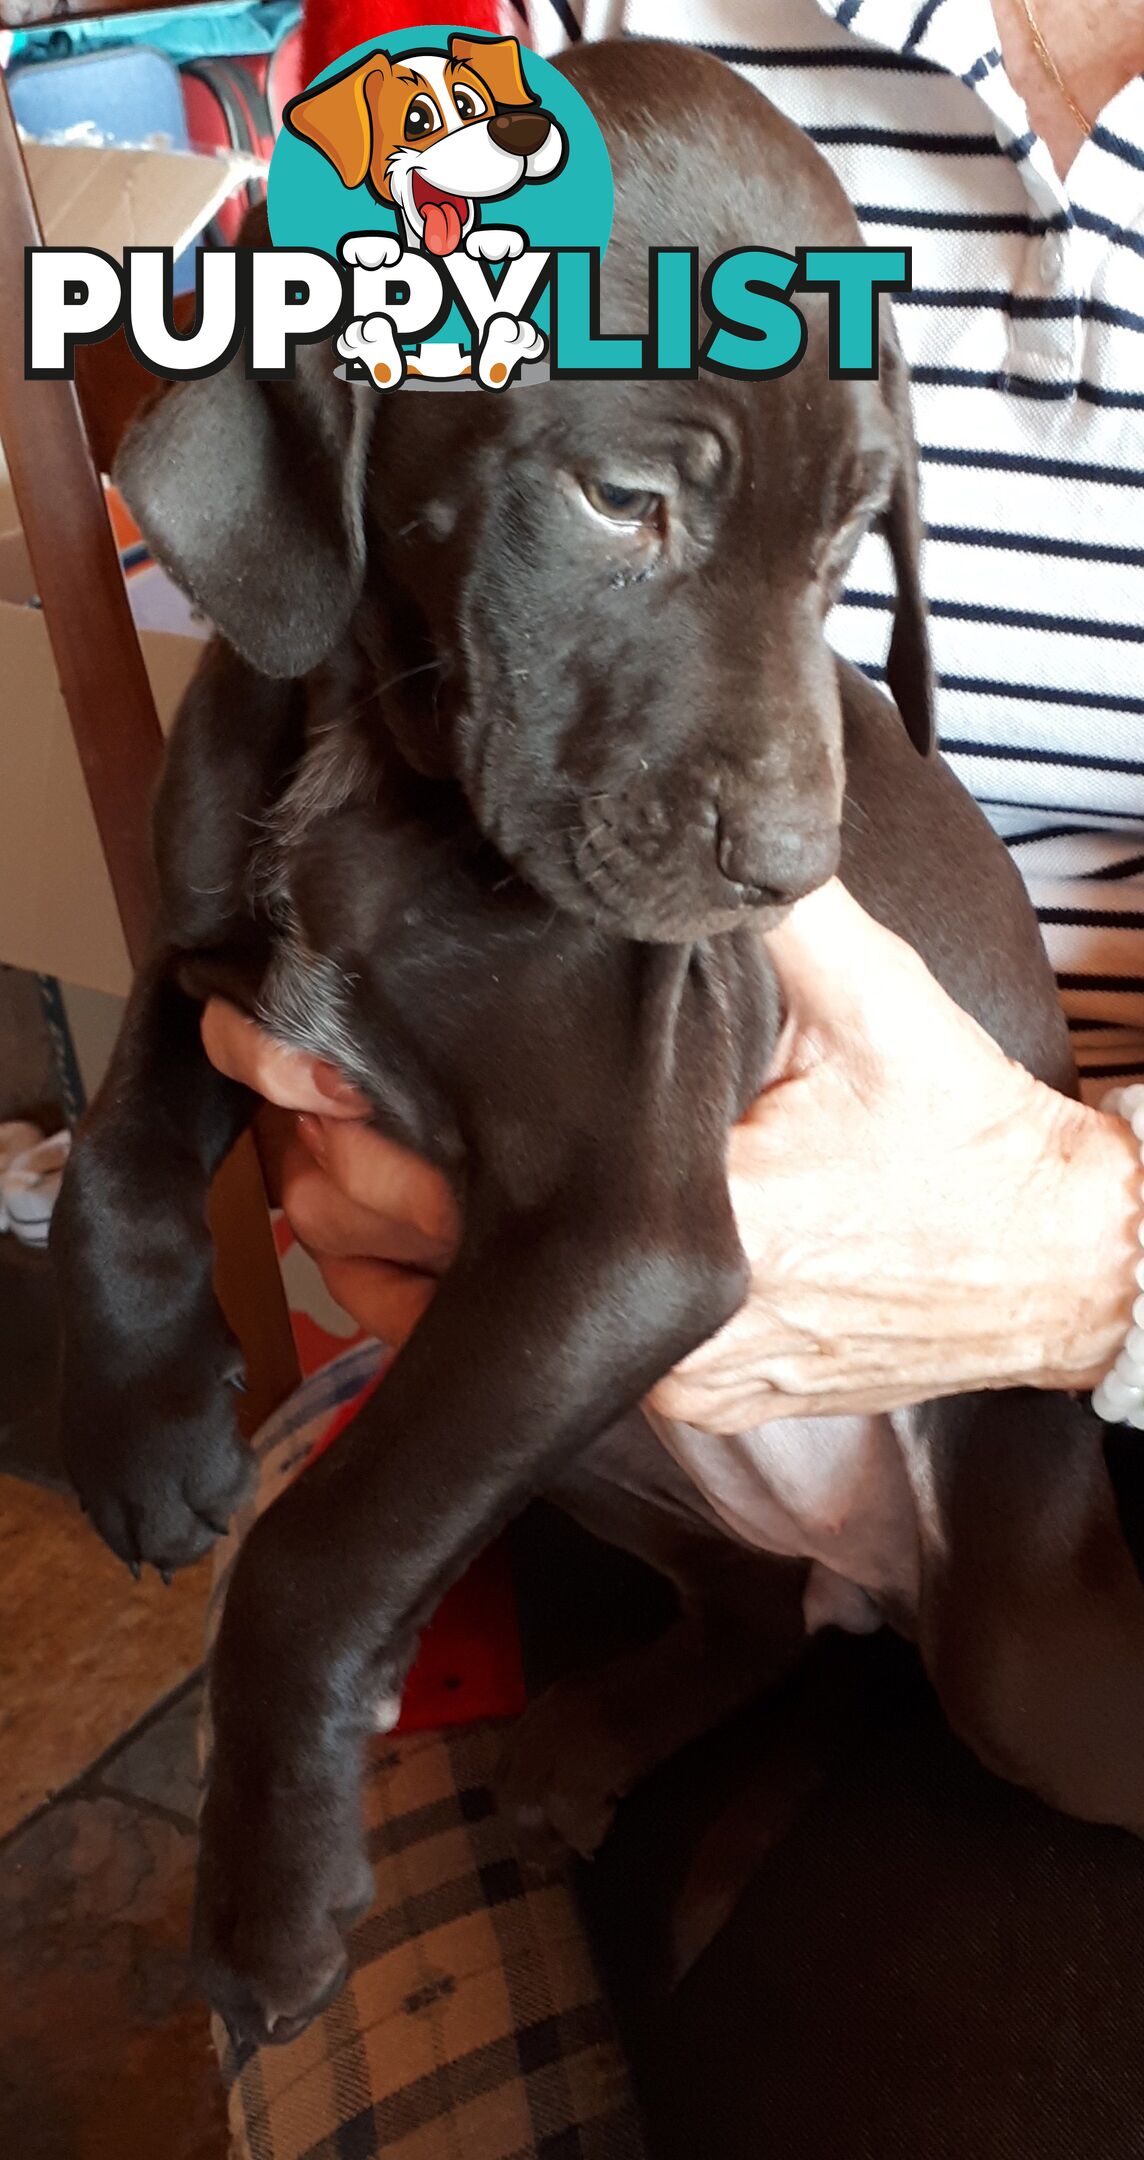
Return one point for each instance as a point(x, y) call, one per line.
point(549, 1327)
point(588, 1741)
point(148, 1426)
point(1032, 1612)
point(149, 1365)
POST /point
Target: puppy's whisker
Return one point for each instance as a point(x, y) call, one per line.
point(346, 714)
point(424, 667)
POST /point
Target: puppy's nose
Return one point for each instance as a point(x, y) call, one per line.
point(519, 132)
point(775, 863)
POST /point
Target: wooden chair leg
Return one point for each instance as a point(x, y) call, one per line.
point(249, 1284)
point(104, 683)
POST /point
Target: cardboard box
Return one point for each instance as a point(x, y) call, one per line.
point(112, 199)
point(57, 914)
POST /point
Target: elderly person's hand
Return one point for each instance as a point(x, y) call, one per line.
point(920, 1217)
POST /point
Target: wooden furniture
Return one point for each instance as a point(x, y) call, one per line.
point(56, 446)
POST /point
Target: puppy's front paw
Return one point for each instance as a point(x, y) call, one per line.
point(283, 1876)
point(271, 1964)
point(564, 1774)
point(157, 1460)
point(495, 243)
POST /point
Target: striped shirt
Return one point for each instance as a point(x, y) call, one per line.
point(1025, 334)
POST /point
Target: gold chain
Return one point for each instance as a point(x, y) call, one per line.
point(1051, 69)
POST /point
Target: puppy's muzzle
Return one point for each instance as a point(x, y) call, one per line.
point(691, 868)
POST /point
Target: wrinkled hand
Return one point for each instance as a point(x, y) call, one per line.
point(920, 1216)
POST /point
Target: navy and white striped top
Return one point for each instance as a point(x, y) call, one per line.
point(1025, 334)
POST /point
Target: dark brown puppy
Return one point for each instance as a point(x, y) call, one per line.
point(569, 733)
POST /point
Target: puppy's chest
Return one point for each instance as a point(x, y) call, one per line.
point(840, 1491)
point(311, 997)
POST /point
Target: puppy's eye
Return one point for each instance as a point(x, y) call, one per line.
point(468, 104)
point(622, 505)
point(422, 119)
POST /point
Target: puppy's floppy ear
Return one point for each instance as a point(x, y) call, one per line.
point(251, 495)
point(909, 669)
point(497, 62)
point(337, 120)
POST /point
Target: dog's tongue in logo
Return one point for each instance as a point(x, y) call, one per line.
point(444, 216)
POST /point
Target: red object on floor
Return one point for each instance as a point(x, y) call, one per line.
point(332, 27)
point(468, 1663)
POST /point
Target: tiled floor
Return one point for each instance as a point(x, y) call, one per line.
point(84, 1651)
point(104, 2049)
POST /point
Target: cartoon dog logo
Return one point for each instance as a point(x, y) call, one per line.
point(435, 135)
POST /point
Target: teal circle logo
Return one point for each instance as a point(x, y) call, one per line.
point(466, 151)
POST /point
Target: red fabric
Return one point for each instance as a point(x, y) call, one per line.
point(332, 27)
point(468, 1663)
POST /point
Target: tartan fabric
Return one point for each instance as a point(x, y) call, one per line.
point(473, 2025)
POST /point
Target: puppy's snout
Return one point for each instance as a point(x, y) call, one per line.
point(775, 863)
point(520, 133)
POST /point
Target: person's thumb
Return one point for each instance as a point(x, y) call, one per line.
point(833, 960)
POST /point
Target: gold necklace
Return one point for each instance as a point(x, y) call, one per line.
point(1051, 69)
